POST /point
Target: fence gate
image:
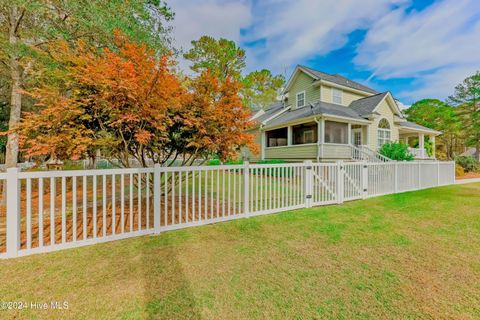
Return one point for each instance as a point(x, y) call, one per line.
point(324, 183)
point(352, 180)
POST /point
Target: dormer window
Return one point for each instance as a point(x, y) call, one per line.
point(300, 99)
point(336, 96)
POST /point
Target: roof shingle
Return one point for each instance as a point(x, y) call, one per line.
point(365, 106)
point(338, 79)
point(319, 108)
point(413, 125)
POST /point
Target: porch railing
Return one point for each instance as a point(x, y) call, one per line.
point(364, 153)
point(419, 153)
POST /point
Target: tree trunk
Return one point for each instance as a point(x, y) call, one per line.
point(11, 156)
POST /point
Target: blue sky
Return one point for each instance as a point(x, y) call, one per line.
point(415, 49)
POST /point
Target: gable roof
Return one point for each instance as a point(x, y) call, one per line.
point(416, 126)
point(369, 105)
point(319, 108)
point(269, 112)
point(366, 106)
point(334, 78)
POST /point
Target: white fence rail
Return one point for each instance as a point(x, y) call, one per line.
point(52, 210)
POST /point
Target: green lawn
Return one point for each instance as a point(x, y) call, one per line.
point(412, 255)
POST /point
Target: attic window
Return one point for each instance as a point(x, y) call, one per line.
point(300, 99)
point(336, 96)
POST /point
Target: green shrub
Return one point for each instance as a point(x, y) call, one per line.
point(272, 161)
point(468, 163)
point(214, 162)
point(234, 162)
point(428, 146)
point(396, 151)
point(217, 162)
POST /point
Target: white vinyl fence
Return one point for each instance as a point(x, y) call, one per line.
point(52, 210)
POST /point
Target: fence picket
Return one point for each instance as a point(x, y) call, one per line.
point(40, 212)
point(74, 208)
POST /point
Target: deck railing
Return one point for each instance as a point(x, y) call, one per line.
point(364, 153)
point(419, 153)
point(52, 210)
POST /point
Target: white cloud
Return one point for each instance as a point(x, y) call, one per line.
point(295, 30)
point(439, 84)
point(438, 46)
point(217, 18)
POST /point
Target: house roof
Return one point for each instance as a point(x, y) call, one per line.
point(319, 108)
point(271, 111)
point(413, 125)
point(338, 79)
point(366, 106)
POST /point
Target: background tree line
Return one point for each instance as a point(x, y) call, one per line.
point(56, 103)
point(458, 118)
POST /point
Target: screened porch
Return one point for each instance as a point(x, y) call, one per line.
point(321, 139)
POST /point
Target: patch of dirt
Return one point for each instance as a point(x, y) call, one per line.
point(469, 175)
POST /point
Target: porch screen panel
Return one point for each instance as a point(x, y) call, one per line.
point(336, 132)
point(277, 138)
point(305, 133)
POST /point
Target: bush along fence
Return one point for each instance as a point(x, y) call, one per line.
point(52, 210)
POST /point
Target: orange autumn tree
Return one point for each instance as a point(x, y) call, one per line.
point(212, 121)
point(128, 103)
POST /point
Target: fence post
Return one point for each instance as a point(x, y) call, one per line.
point(438, 173)
point(396, 178)
point(364, 179)
point(340, 182)
point(308, 183)
point(419, 175)
point(13, 219)
point(156, 198)
point(453, 172)
point(246, 189)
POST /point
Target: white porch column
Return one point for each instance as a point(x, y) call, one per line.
point(365, 137)
point(263, 144)
point(321, 136)
point(421, 144)
point(289, 135)
point(432, 140)
point(349, 133)
point(321, 131)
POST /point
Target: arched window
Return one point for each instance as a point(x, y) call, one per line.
point(384, 132)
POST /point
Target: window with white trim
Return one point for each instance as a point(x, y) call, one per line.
point(300, 99)
point(383, 133)
point(337, 96)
